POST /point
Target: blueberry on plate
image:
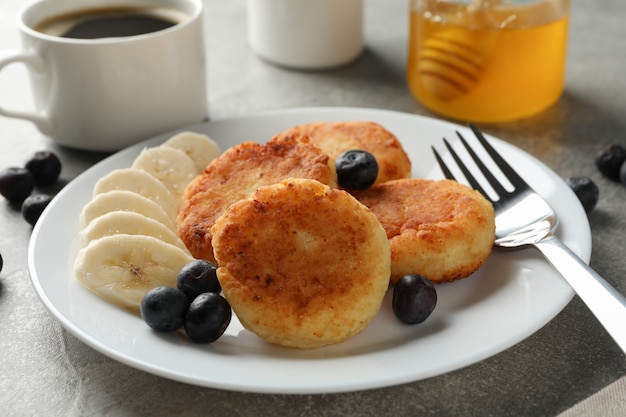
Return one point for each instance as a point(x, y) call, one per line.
point(197, 277)
point(414, 298)
point(356, 169)
point(586, 191)
point(208, 318)
point(164, 308)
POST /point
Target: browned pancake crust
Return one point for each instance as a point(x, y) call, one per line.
point(335, 138)
point(440, 229)
point(303, 265)
point(237, 173)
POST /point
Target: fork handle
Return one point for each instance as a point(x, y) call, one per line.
point(604, 301)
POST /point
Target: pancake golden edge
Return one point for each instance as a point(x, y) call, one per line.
point(236, 174)
point(302, 264)
point(441, 229)
point(333, 138)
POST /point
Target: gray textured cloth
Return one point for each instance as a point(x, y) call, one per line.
point(609, 402)
point(45, 371)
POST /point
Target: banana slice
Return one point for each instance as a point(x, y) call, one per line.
point(170, 166)
point(129, 223)
point(122, 200)
point(122, 268)
point(140, 182)
point(200, 148)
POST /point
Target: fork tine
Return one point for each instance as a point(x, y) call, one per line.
point(495, 184)
point(442, 165)
point(506, 169)
point(468, 175)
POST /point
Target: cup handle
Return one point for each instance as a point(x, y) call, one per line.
point(34, 63)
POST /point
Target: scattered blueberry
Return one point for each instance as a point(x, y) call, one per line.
point(414, 298)
point(356, 169)
point(164, 308)
point(609, 159)
point(16, 184)
point(197, 277)
point(622, 173)
point(45, 167)
point(208, 318)
point(33, 206)
point(586, 191)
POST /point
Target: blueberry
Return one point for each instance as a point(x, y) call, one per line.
point(622, 173)
point(609, 159)
point(208, 318)
point(45, 167)
point(164, 308)
point(414, 299)
point(197, 277)
point(33, 206)
point(356, 169)
point(16, 184)
point(1, 262)
point(586, 191)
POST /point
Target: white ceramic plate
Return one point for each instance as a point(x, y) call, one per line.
point(510, 297)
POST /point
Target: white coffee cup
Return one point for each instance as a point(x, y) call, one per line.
point(306, 34)
point(107, 93)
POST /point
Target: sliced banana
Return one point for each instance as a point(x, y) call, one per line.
point(141, 182)
point(122, 200)
point(122, 268)
point(170, 166)
point(200, 148)
point(129, 223)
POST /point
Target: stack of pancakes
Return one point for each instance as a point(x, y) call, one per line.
point(305, 264)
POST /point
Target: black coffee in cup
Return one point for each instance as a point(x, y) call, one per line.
point(110, 22)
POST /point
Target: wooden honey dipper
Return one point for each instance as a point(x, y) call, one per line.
point(450, 62)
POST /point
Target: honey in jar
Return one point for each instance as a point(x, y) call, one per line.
point(487, 61)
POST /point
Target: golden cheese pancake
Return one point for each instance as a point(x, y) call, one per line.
point(440, 229)
point(237, 173)
point(303, 265)
point(333, 138)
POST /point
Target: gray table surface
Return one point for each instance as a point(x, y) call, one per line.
point(44, 370)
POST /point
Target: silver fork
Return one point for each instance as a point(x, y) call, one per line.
point(524, 218)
